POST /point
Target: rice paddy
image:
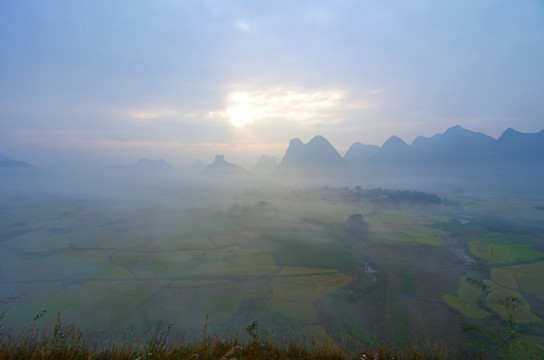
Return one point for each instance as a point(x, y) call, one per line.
point(466, 301)
point(293, 265)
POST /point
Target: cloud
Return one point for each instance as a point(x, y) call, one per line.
point(290, 104)
point(151, 115)
point(320, 16)
point(243, 25)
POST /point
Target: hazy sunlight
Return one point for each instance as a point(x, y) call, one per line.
point(242, 112)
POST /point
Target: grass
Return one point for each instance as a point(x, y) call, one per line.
point(325, 255)
point(66, 342)
point(396, 323)
point(235, 262)
point(408, 285)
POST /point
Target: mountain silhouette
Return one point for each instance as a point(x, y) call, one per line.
point(457, 144)
point(142, 166)
point(9, 165)
point(515, 146)
point(317, 157)
point(19, 174)
point(5, 158)
point(458, 153)
point(393, 151)
point(358, 153)
point(197, 166)
point(221, 167)
point(265, 165)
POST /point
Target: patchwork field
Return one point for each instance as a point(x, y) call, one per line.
point(298, 262)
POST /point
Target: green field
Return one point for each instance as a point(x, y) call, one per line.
point(294, 264)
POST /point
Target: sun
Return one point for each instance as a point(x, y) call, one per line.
point(242, 110)
point(241, 115)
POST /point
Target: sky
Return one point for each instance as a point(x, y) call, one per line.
point(93, 83)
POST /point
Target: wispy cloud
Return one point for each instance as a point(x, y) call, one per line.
point(243, 25)
point(321, 16)
point(292, 104)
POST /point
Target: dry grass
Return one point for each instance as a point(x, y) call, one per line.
point(66, 342)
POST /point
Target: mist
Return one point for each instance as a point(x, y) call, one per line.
point(353, 172)
point(136, 246)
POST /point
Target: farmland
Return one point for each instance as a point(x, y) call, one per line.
point(300, 262)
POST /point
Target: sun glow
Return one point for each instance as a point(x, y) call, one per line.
point(283, 103)
point(242, 111)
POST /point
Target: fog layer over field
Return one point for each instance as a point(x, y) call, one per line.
point(304, 257)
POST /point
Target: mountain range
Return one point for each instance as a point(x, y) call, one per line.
point(456, 153)
point(457, 150)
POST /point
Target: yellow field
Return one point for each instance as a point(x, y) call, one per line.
point(182, 283)
point(222, 240)
point(468, 294)
point(296, 294)
point(411, 234)
point(397, 225)
point(321, 239)
point(425, 236)
point(234, 262)
point(119, 273)
point(40, 242)
point(79, 264)
point(147, 265)
point(529, 278)
point(504, 277)
point(299, 270)
point(524, 315)
point(466, 300)
point(195, 243)
point(481, 250)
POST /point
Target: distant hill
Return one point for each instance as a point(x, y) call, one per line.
point(457, 152)
point(5, 158)
point(221, 167)
point(358, 153)
point(265, 165)
point(317, 157)
point(516, 146)
point(392, 151)
point(197, 166)
point(455, 145)
point(15, 174)
point(11, 166)
point(142, 166)
point(14, 164)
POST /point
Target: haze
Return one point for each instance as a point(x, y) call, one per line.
point(96, 83)
point(329, 170)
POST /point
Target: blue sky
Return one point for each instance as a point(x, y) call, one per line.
point(101, 82)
